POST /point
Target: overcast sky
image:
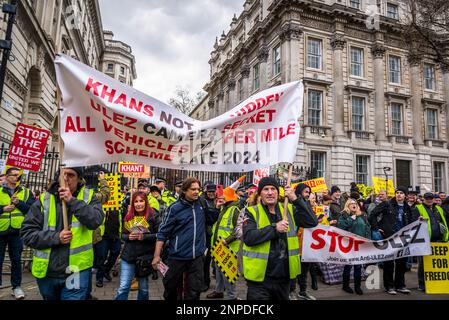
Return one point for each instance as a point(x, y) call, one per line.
point(171, 39)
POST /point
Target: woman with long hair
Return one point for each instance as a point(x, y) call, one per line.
point(354, 220)
point(139, 234)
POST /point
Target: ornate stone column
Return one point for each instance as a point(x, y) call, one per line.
point(378, 51)
point(338, 42)
point(263, 58)
point(416, 91)
point(211, 105)
point(232, 94)
point(221, 107)
point(244, 72)
point(290, 36)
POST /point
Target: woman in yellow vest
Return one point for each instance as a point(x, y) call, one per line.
point(139, 234)
point(63, 257)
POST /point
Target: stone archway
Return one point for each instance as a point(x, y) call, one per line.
point(33, 99)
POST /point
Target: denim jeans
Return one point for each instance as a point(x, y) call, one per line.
point(127, 271)
point(15, 247)
point(107, 254)
point(64, 289)
point(222, 283)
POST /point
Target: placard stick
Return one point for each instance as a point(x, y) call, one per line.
point(289, 181)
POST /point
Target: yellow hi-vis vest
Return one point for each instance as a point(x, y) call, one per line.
point(152, 201)
point(225, 228)
point(15, 217)
point(423, 213)
point(81, 250)
point(255, 258)
point(168, 198)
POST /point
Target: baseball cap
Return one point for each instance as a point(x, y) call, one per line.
point(428, 195)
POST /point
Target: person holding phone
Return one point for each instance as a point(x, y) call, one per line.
point(139, 234)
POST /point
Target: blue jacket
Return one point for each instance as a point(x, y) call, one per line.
point(185, 229)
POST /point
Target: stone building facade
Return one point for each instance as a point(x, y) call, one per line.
point(368, 103)
point(43, 27)
point(118, 60)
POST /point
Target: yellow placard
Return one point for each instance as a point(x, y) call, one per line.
point(226, 260)
point(116, 197)
point(436, 269)
point(379, 184)
point(317, 185)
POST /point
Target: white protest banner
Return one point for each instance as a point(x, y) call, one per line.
point(259, 174)
point(106, 121)
point(334, 245)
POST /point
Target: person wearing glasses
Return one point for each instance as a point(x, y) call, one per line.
point(354, 220)
point(15, 201)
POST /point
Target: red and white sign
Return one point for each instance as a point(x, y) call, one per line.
point(131, 168)
point(104, 120)
point(334, 245)
point(28, 147)
point(259, 174)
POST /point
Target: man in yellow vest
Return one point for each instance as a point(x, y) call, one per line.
point(271, 247)
point(167, 196)
point(15, 202)
point(63, 259)
point(437, 224)
point(225, 228)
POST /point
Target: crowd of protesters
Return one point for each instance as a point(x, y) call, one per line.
point(156, 226)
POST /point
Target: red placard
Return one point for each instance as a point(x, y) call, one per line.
point(28, 147)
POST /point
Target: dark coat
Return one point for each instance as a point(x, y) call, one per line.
point(135, 248)
point(384, 216)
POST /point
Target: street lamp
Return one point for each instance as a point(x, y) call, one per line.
point(386, 169)
point(6, 44)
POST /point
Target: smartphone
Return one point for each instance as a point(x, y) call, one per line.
point(219, 192)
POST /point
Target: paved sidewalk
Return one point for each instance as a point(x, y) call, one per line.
point(324, 292)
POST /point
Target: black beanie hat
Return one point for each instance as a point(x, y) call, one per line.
point(335, 189)
point(267, 181)
point(300, 188)
point(79, 171)
point(402, 189)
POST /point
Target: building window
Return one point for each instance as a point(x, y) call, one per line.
point(357, 62)
point(429, 76)
point(355, 4)
point(395, 69)
point(392, 11)
point(315, 107)
point(318, 163)
point(256, 77)
point(110, 67)
point(314, 53)
point(396, 119)
point(432, 124)
point(277, 60)
point(438, 176)
point(240, 83)
point(358, 113)
point(361, 169)
point(122, 71)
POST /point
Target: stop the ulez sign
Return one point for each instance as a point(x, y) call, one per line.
point(131, 168)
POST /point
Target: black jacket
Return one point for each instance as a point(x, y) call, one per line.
point(90, 215)
point(253, 236)
point(135, 248)
point(384, 216)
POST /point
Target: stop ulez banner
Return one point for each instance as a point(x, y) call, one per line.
point(337, 246)
point(104, 120)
